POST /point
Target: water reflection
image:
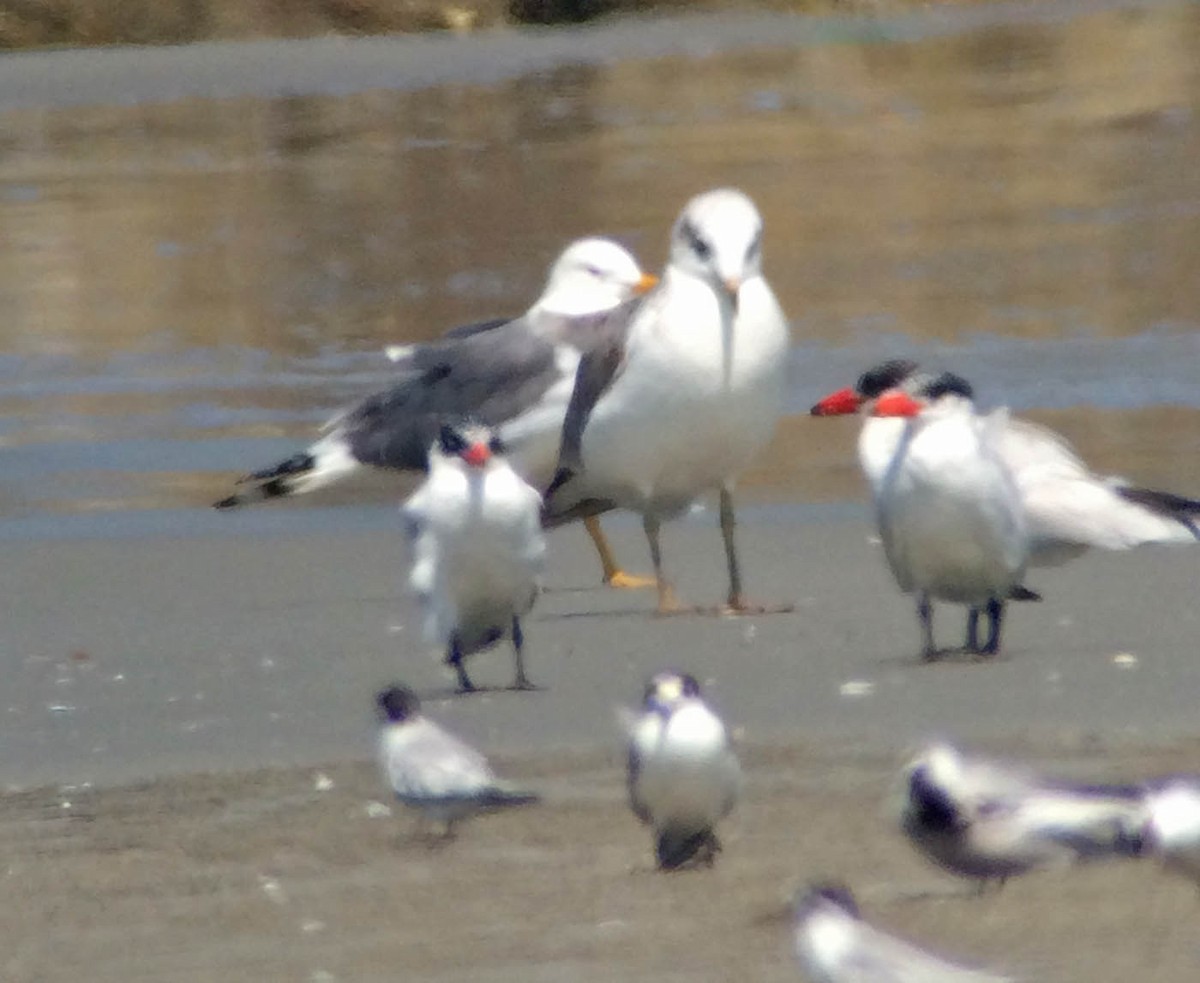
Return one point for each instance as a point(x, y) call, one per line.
point(206, 280)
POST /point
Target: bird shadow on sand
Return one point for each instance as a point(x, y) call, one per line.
point(944, 657)
point(454, 693)
point(608, 613)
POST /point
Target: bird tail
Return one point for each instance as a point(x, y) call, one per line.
point(674, 848)
point(505, 796)
point(1185, 511)
point(1018, 592)
point(326, 462)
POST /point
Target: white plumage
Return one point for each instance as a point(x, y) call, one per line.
point(1068, 507)
point(950, 516)
point(683, 776)
point(691, 394)
point(834, 945)
point(1173, 824)
point(432, 771)
point(477, 548)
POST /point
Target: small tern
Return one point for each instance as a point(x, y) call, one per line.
point(433, 772)
point(835, 945)
point(683, 775)
point(985, 820)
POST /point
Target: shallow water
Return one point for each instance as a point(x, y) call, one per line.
point(189, 284)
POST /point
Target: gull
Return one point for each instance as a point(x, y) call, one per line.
point(687, 392)
point(516, 375)
point(835, 945)
point(432, 771)
point(683, 776)
point(948, 508)
point(986, 820)
point(477, 547)
point(1068, 507)
point(1172, 830)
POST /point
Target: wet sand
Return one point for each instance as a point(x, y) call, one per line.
point(256, 660)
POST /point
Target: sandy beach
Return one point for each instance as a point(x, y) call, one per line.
point(197, 713)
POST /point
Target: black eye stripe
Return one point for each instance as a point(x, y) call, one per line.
point(451, 441)
point(697, 244)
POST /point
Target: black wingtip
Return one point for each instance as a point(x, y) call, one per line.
point(1172, 506)
point(300, 463)
point(561, 477)
point(1020, 593)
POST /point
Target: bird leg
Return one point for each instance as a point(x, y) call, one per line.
point(668, 603)
point(614, 576)
point(736, 603)
point(995, 613)
point(518, 640)
point(972, 630)
point(455, 658)
point(929, 651)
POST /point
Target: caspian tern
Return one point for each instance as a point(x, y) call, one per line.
point(683, 775)
point(432, 771)
point(513, 374)
point(477, 547)
point(835, 945)
point(1068, 507)
point(948, 509)
point(688, 392)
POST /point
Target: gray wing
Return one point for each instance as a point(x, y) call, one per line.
point(601, 338)
point(466, 330)
point(491, 373)
point(436, 765)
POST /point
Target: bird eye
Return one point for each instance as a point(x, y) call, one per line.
point(701, 248)
point(593, 271)
point(451, 440)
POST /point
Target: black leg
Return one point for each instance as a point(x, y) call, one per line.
point(972, 629)
point(518, 640)
point(925, 616)
point(455, 658)
point(995, 613)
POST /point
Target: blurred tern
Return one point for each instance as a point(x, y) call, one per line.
point(1172, 831)
point(431, 770)
point(683, 775)
point(1068, 508)
point(514, 374)
point(477, 548)
point(949, 513)
point(985, 820)
point(834, 945)
point(688, 391)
